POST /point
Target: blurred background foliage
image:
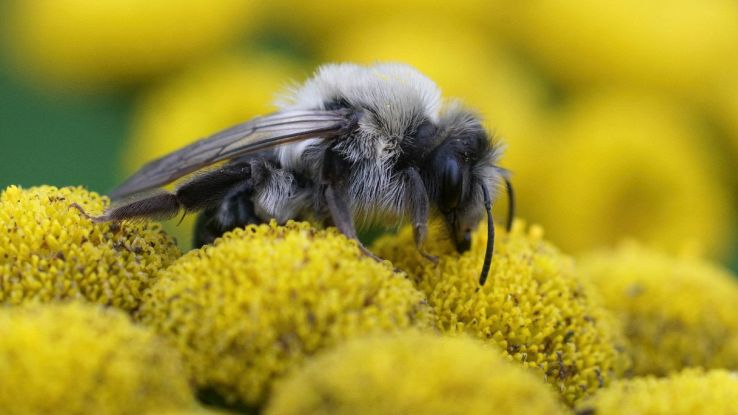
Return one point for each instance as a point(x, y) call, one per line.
point(621, 118)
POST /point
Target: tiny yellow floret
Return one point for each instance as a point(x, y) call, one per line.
point(50, 251)
point(533, 305)
point(412, 373)
point(80, 358)
point(677, 312)
point(692, 392)
point(263, 298)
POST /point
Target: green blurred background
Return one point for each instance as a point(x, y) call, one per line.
point(621, 118)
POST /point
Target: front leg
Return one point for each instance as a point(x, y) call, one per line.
point(419, 206)
point(336, 194)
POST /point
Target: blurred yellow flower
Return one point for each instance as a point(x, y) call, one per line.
point(202, 101)
point(692, 392)
point(97, 44)
point(676, 46)
point(677, 312)
point(49, 251)
point(723, 102)
point(85, 359)
point(625, 164)
point(317, 21)
point(412, 373)
point(533, 306)
point(262, 299)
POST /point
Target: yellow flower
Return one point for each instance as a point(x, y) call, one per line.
point(94, 44)
point(202, 101)
point(261, 300)
point(412, 373)
point(533, 306)
point(85, 359)
point(677, 312)
point(315, 22)
point(624, 164)
point(692, 392)
point(50, 251)
point(722, 100)
point(678, 48)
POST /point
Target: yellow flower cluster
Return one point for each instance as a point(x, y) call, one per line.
point(99, 44)
point(84, 359)
point(412, 373)
point(262, 299)
point(677, 312)
point(50, 251)
point(692, 392)
point(533, 306)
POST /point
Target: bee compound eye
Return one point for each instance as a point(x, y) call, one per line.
point(451, 185)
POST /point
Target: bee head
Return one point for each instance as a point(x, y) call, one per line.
point(460, 174)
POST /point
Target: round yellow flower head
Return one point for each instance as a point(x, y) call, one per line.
point(677, 312)
point(533, 305)
point(692, 392)
point(98, 44)
point(262, 299)
point(49, 250)
point(84, 359)
point(412, 373)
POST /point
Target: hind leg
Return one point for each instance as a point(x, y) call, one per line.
point(202, 192)
point(235, 210)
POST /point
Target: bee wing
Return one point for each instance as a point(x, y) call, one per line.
point(248, 137)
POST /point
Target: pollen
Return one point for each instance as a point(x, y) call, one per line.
point(80, 358)
point(534, 305)
point(412, 373)
point(50, 251)
point(677, 312)
point(262, 299)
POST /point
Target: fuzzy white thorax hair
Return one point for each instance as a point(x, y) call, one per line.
point(396, 93)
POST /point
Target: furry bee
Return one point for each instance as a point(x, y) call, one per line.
point(353, 143)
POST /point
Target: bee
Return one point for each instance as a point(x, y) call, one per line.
point(368, 144)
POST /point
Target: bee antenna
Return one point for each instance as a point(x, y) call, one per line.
point(490, 235)
point(510, 203)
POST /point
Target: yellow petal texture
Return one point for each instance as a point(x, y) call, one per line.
point(85, 359)
point(677, 312)
point(50, 251)
point(626, 164)
point(533, 305)
point(692, 392)
point(85, 45)
point(201, 101)
point(412, 373)
point(261, 300)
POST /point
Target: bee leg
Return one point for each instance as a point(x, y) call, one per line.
point(236, 210)
point(337, 200)
point(336, 197)
point(417, 200)
point(199, 193)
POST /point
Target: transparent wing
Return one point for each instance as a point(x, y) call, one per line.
point(251, 136)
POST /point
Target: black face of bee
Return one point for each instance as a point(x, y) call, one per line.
point(453, 173)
